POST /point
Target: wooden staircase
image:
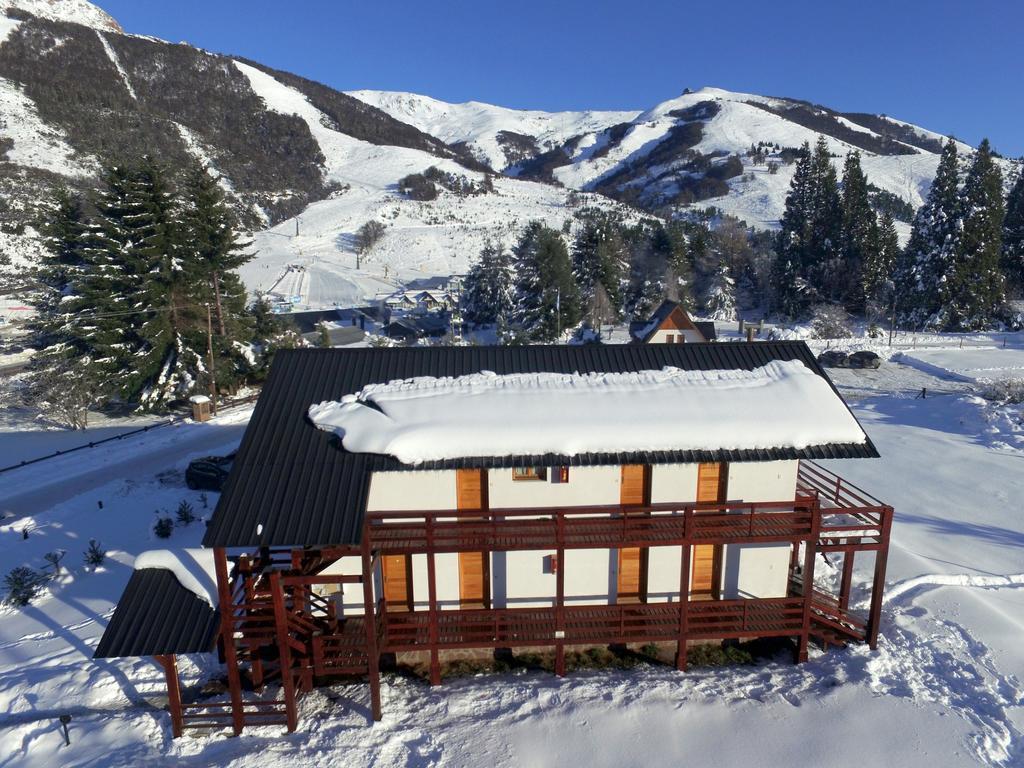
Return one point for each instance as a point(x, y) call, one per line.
point(277, 630)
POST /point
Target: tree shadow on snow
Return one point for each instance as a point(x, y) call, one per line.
point(993, 534)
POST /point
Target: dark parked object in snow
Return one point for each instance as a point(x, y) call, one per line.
point(864, 359)
point(208, 473)
point(831, 358)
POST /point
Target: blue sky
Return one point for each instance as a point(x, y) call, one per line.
point(952, 67)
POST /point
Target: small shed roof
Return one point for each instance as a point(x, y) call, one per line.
point(157, 615)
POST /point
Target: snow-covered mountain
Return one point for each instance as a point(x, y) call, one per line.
point(499, 137)
point(75, 11)
point(678, 153)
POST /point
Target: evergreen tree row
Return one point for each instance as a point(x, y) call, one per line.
point(833, 247)
point(609, 272)
point(964, 249)
point(132, 283)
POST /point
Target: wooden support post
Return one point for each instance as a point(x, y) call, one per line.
point(560, 595)
point(170, 665)
point(227, 634)
point(878, 585)
point(810, 550)
point(432, 618)
point(284, 650)
point(370, 619)
point(684, 602)
point(847, 578)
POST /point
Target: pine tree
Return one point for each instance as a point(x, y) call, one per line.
point(1013, 238)
point(214, 246)
point(547, 300)
point(880, 264)
point(824, 251)
point(934, 239)
point(670, 243)
point(798, 216)
point(973, 290)
point(599, 258)
point(859, 234)
point(487, 294)
point(60, 381)
point(720, 297)
point(212, 252)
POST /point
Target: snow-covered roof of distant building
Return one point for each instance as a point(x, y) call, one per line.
point(782, 404)
point(294, 484)
point(643, 330)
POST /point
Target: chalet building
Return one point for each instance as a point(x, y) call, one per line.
point(419, 502)
point(671, 324)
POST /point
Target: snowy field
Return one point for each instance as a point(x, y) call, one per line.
point(972, 364)
point(943, 689)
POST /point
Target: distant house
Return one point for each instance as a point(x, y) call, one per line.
point(426, 503)
point(671, 324)
point(416, 326)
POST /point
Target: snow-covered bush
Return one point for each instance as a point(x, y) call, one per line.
point(163, 528)
point(720, 297)
point(94, 555)
point(23, 584)
point(830, 321)
point(1010, 391)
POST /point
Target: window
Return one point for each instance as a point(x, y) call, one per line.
point(529, 473)
point(563, 474)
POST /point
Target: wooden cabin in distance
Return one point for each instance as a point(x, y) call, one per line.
point(427, 501)
point(671, 324)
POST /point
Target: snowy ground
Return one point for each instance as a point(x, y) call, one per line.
point(943, 689)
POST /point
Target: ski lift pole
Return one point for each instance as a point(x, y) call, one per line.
point(209, 357)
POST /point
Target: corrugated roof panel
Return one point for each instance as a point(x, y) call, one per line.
point(156, 615)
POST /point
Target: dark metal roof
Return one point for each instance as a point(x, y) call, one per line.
point(295, 484)
point(707, 329)
point(156, 615)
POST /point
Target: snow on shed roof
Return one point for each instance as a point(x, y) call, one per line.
point(780, 405)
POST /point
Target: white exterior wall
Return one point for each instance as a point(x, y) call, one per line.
point(586, 486)
point(673, 482)
point(762, 481)
point(758, 570)
point(661, 337)
point(524, 579)
point(411, 491)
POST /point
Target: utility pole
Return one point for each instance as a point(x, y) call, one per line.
point(558, 312)
point(209, 358)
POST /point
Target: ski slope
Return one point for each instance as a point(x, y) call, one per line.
point(423, 239)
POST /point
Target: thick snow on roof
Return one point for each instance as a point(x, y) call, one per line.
point(781, 405)
point(193, 568)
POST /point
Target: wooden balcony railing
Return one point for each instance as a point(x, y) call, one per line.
point(593, 624)
point(589, 527)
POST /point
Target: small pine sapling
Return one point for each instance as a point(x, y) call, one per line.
point(23, 584)
point(54, 558)
point(185, 514)
point(94, 555)
point(163, 528)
